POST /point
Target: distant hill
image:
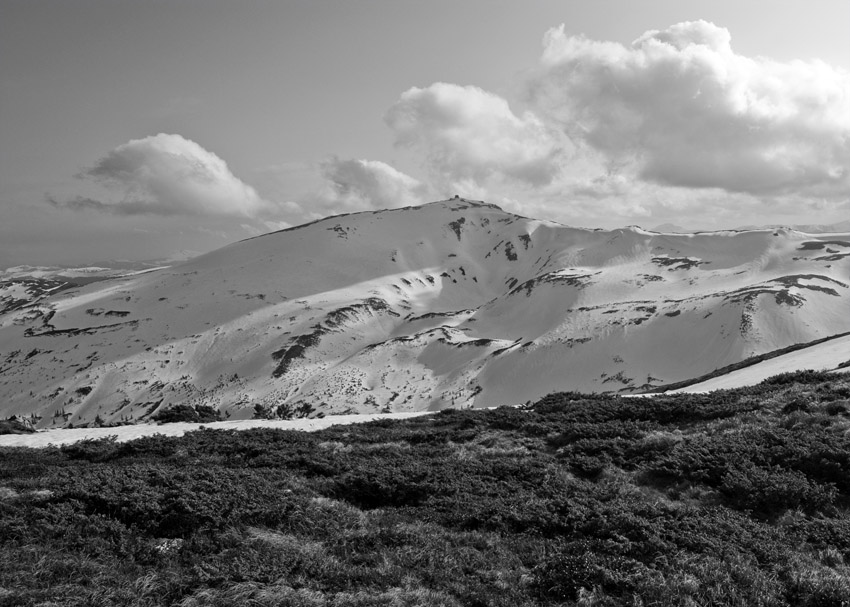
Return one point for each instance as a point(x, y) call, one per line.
point(452, 304)
point(671, 228)
point(832, 228)
point(25, 285)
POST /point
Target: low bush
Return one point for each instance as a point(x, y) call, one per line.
point(15, 426)
point(198, 414)
point(737, 497)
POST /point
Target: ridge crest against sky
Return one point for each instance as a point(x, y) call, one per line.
point(185, 126)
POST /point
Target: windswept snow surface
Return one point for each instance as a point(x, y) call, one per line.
point(450, 304)
point(822, 357)
point(67, 436)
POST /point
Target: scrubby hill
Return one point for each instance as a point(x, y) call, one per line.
point(727, 499)
point(451, 304)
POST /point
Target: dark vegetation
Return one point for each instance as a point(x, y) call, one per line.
point(738, 497)
point(199, 414)
point(817, 245)
point(298, 346)
point(13, 425)
point(38, 288)
point(679, 263)
point(579, 281)
point(456, 226)
point(301, 409)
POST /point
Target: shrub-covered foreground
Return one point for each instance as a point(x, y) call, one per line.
point(734, 498)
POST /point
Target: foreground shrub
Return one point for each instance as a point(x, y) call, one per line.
point(771, 491)
point(719, 499)
point(588, 565)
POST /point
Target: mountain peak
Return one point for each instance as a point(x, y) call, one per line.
point(454, 303)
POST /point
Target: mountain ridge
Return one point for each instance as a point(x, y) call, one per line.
point(451, 304)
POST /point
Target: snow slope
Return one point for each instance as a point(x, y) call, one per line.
point(67, 436)
point(825, 356)
point(24, 285)
point(454, 303)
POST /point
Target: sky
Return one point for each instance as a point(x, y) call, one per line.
point(143, 130)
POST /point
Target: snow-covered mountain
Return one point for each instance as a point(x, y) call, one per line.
point(812, 228)
point(454, 303)
point(672, 228)
point(23, 285)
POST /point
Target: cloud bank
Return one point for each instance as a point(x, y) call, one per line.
point(167, 175)
point(675, 125)
point(466, 134)
point(681, 108)
point(360, 185)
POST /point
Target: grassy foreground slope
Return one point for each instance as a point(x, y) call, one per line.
point(732, 498)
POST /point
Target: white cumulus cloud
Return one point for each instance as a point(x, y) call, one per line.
point(679, 107)
point(468, 135)
point(167, 175)
point(359, 185)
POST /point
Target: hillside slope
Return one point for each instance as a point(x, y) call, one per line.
point(454, 303)
point(830, 355)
